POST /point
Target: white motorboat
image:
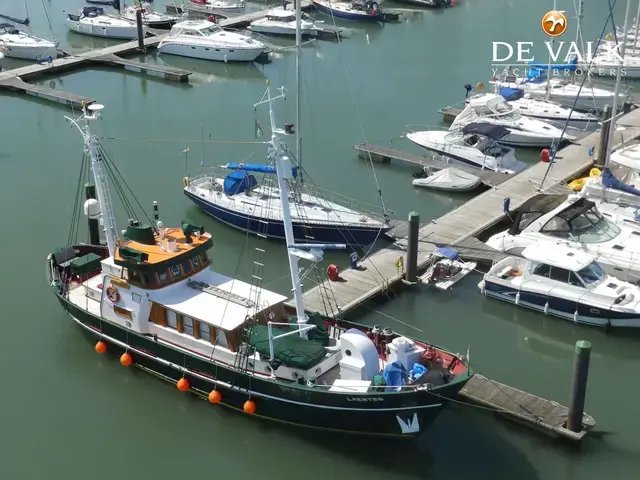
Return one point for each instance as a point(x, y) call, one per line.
point(574, 222)
point(93, 21)
point(150, 18)
point(19, 44)
point(477, 144)
point(530, 106)
point(563, 90)
point(208, 41)
point(564, 283)
point(606, 65)
point(449, 179)
point(446, 269)
point(523, 131)
point(280, 21)
point(219, 6)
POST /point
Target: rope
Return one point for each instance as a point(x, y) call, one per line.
point(46, 13)
point(182, 140)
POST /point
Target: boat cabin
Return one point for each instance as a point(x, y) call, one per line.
point(284, 16)
point(86, 12)
point(195, 28)
point(8, 29)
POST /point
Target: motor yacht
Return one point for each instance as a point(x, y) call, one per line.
point(476, 144)
point(219, 6)
point(575, 222)
point(530, 106)
point(208, 41)
point(93, 21)
point(19, 44)
point(523, 131)
point(566, 283)
point(150, 18)
point(280, 21)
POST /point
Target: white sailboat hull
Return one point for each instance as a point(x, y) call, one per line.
point(30, 52)
point(95, 29)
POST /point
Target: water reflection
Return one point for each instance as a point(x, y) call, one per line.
point(205, 71)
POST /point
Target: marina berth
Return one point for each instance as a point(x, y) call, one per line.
point(565, 283)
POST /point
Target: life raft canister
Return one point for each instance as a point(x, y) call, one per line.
point(113, 294)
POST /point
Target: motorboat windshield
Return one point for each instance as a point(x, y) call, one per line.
point(591, 274)
point(583, 223)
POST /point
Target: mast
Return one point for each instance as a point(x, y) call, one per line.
point(616, 94)
point(108, 220)
point(635, 36)
point(548, 89)
point(298, 79)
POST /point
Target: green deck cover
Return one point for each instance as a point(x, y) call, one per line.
point(86, 264)
point(319, 334)
point(292, 351)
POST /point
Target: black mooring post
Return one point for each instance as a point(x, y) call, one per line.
point(412, 248)
point(579, 385)
point(607, 115)
point(94, 227)
point(140, 30)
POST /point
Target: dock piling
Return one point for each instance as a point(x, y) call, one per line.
point(604, 135)
point(411, 273)
point(141, 46)
point(579, 385)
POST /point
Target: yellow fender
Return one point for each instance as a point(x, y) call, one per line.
point(595, 172)
point(577, 184)
point(186, 181)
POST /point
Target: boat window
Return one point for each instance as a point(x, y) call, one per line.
point(528, 218)
point(221, 338)
point(585, 227)
point(592, 273)
point(205, 332)
point(574, 280)
point(209, 30)
point(542, 270)
point(187, 325)
point(163, 276)
point(172, 319)
point(559, 274)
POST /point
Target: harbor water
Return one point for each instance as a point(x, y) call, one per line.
point(69, 413)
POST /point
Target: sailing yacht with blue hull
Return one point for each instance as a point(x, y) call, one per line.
point(238, 200)
point(359, 10)
point(150, 297)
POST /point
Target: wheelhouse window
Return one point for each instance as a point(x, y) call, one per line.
point(172, 319)
point(187, 326)
point(559, 274)
point(542, 270)
point(592, 273)
point(581, 224)
point(221, 338)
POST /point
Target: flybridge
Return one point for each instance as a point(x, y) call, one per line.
point(520, 52)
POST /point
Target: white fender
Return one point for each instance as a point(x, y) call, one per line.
point(517, 298)
point(546, 308)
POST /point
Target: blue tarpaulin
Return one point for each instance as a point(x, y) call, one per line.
point(418, 370)
point(449, 253)
point(238, 182)
point(258, 168)
point(609, 180)
point(394, 374)
point(511, 93)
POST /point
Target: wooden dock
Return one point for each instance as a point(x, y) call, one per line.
point(379, 271)
point(542, 414)
point(384, 154)
point(449, 114)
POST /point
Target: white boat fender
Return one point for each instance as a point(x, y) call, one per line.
point(225, 58)
point(546, 308)
point(575, 316)
point(517, 298)
point(482, 285)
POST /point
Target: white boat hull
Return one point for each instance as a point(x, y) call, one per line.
point(217, 54)
point(446, 284)
point(30, 52)
point(105, 31)
point(449, 179)
point(280, 30)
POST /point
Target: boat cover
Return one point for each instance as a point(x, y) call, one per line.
point(449, 253)
point(609, 180)
point(258, 168)
point(495, 132)
point(292, 351)
point(510, 94)
point(394, 374)
point(238, 182)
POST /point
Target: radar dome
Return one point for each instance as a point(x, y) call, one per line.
point(92, 208)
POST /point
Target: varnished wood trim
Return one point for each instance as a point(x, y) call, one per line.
point(179, 322)
point(158, 314)
point(175, 280)
point(196, 328)
point(123, 312)
point(212, 334)
point(119, 283)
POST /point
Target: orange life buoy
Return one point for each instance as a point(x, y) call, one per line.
point(113, 294)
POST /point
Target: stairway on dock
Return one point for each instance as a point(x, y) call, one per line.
point(379, 272)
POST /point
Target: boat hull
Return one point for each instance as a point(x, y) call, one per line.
point(399, 415)
point(561, 308)
point(126, 33)
point(360, 17)
point(282, 31)
point(275, 228)
point(31, 53)
point(211, 53)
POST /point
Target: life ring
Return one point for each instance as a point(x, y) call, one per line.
point(186, 182)
point(113, 294)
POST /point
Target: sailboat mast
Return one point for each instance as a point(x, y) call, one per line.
point(635, 36)
point(102, 189)
point(549, 72)
point(284, 172)
point(612, 127)
point(298, 79)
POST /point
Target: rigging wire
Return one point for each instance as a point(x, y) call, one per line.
point(183, 140)
point(584, 79)
point(46, 14)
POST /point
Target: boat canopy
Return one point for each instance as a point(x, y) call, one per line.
point(258, 168)
point(238, 182)
point(533, 209)
point(495, 132)
point(449, 253)
point(510, 94)
point(609, 180)
point(9, 28)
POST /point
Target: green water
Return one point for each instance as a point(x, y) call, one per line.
point(69, 413)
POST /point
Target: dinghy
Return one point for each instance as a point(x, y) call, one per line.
point(449, 179)
point(446, 269)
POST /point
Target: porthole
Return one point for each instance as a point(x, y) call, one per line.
point(175, 270)
point(250, 365)
point(317, 371)
point(195, 261)
point(347, 353)
point(268, 369)
point(295, 375)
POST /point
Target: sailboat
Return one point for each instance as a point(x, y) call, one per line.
point(149, 297)
point(20, 44)
point(240, 201)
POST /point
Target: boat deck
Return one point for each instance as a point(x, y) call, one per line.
point(385, 154)
point(540, 413)
point(458, 228)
